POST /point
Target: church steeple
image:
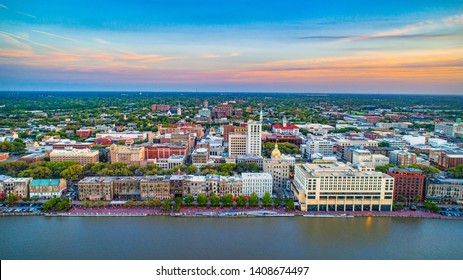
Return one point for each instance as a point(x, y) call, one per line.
point(261, 114)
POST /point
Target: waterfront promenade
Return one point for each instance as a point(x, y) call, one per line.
point(191, 211)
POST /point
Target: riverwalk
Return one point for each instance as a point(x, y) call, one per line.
point(142, 211)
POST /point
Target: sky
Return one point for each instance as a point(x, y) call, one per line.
point(413, 46)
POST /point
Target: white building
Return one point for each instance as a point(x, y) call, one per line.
point(259, 183)
point(414, 140)
point(448, 128)
point(436, 142)
point(318, 146)
point(340, 187)
point(254, 138)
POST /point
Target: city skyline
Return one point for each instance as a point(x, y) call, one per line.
point(415, 47)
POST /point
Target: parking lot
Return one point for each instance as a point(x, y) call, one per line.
point(451, 211)
point(32, 208)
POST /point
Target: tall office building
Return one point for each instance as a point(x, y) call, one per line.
point(254, 137)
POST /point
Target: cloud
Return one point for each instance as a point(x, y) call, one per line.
point(385, 36)
point(101, 41)
point(210, 55)
point(9, 40)
point(417, 29)
point(56, 36)
point(3, 6)
point(26, 14)
point(31, 41)
point(213, 55)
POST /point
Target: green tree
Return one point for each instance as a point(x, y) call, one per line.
point(267, 199)
point(73, 172)
point(129, 203)
point(166, 205)
point(189, 199)
point(247, 167)
point(40, 172)
point(383, 144)
point(253, 200)
point(178, 204)
point(227, 200)
point(289, 204)
point(277, 202)
point(63, 205)
point(201, 200)
point(431, 206)
point(417, 198)
point(192, 169)
point(12, 198)
point(241, 201)
point(215, 200)
point(384, 168)
point(402, 199)
point(456, 171)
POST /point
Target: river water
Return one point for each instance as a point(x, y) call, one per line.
point(157, 237)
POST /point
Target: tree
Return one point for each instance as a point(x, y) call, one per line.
point(267, 199)
point(37, 173)
point(227, 200)
point(417, 198)
point(384, 168)
point(456, 171)
point(178, 204)
point(192, 169)
point(201, 200)
point(427, 170)
point(73, 172)
point(289, 204)
point(277, 202)
point(253, 200)
point(166, 205)
point(129, 203)
point(215, 200)
point(247, 167)
point(189, 199)
point(402, 199)
point(12, 198)
point(431, 206)
point(241, 201)
point(383, 144)
point(63, 205)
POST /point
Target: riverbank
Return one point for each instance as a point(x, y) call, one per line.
point(221, 212)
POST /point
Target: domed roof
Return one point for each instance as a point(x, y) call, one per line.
point(276, 154)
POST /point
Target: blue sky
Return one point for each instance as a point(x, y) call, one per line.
point(290, 46)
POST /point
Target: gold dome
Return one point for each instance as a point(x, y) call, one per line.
point(276, 154)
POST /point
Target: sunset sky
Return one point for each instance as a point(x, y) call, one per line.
point(278, 46)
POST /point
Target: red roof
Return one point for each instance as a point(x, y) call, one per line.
point(287, 127)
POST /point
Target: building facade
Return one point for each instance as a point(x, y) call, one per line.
point(259, 183)
point(81, 156)
point(408, 182)
point(278, 168)
point(339, 187)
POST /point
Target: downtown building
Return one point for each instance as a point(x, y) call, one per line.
point(400, 157)
point(81, 156)
point(408, 182)
point(258, 183)
point(124, 187)
point(278, 168)
point(130, 155)
point(340, 187)
point(444, 190)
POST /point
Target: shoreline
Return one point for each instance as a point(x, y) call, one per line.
point(221, 213)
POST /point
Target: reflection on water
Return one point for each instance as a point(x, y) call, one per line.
point(229, 238)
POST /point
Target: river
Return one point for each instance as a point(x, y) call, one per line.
point(157, 237)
